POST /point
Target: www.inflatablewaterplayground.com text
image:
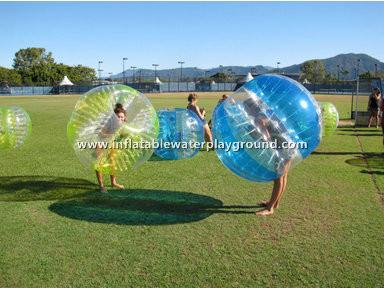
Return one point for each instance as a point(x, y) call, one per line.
point(227, 146)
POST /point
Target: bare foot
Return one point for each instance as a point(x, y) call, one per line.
point(103, 190)
point(264, 212)
point(118, 186)
point(264, 203)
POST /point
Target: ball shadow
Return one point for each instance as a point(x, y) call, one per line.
point(372, 161)
point(138, 207)
point(361, 134)
point(154, 157)
point(35, 188)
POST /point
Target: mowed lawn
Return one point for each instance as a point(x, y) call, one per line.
point(188, 223)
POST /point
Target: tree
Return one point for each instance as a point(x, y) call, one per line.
point(38, 67)
point(329, 78)
point(366, 75)
point(29, 57)
point(9, 77)
point(34, 65)
point(345, 73)
point(77, 74)
point(219, 77)
point(313, 71)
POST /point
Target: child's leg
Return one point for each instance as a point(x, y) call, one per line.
point(99, 177)
point(382, 125)
point(276, 191)
point(285, 178)
point(207, 133)
point(114, 182)
point(377, 120)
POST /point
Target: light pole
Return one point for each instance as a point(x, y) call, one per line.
point(110, 76)
point(99, 70)
point(155, 65)
point(277, 66)
point(338, 72)
point(181, 74)
point(357, 88)
point(375, 69)
point(133, 73)
point(124, 59)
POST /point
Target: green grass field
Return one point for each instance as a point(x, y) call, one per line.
point(188, 223)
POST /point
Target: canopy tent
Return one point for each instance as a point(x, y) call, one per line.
point(157, 80)
point(213, 82)
point(306, 81)
point(65, 82)
point(247, 78)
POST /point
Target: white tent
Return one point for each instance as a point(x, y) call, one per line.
point(213, 82)
point(66, 82)
point(247, 78)
point(306, 81)
point(157, 80)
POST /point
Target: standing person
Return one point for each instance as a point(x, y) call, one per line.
point(373, 107)
point(278, 190)
point(192, 105)
point(107, 132)
point(221, 100)
point(270, 133)
point(382, 114)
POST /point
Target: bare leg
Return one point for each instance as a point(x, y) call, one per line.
point(99, 177)
point(207, 133)
point(382, 125)
point(377, 120)
point(115, 184)
point(276, 191)
point(285, 178)
point(371, 116)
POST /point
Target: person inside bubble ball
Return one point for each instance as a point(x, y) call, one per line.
point(269, 129)
point(107, 132)
point(192, 105)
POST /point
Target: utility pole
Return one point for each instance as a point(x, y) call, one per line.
point(124, 59)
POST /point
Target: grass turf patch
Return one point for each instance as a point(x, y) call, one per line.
point(185, 223)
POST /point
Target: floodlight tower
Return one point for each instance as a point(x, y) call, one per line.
point(133, 73)
point(99, 69)
point(155, 65)
point(124, 59)
point(181, 74)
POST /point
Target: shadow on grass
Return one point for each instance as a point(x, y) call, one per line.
point(372, 172)
point(373, 161)
point(33, 188)
point(143, 207)
point(361, 134)
point(369, 154)
point(154, 157)
point(351, 129)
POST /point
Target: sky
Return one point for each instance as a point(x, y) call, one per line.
point(202, 34)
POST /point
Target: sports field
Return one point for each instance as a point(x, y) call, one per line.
point(188, 223)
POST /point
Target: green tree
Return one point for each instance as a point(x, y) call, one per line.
point(9, 77)
point(220, 77)
point(329, 78)
point(313, 71)
point(38, 67)
point(34, 66)
point(366, 75)
point(77, 74)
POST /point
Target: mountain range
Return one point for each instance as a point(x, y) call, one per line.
point(339, 63)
